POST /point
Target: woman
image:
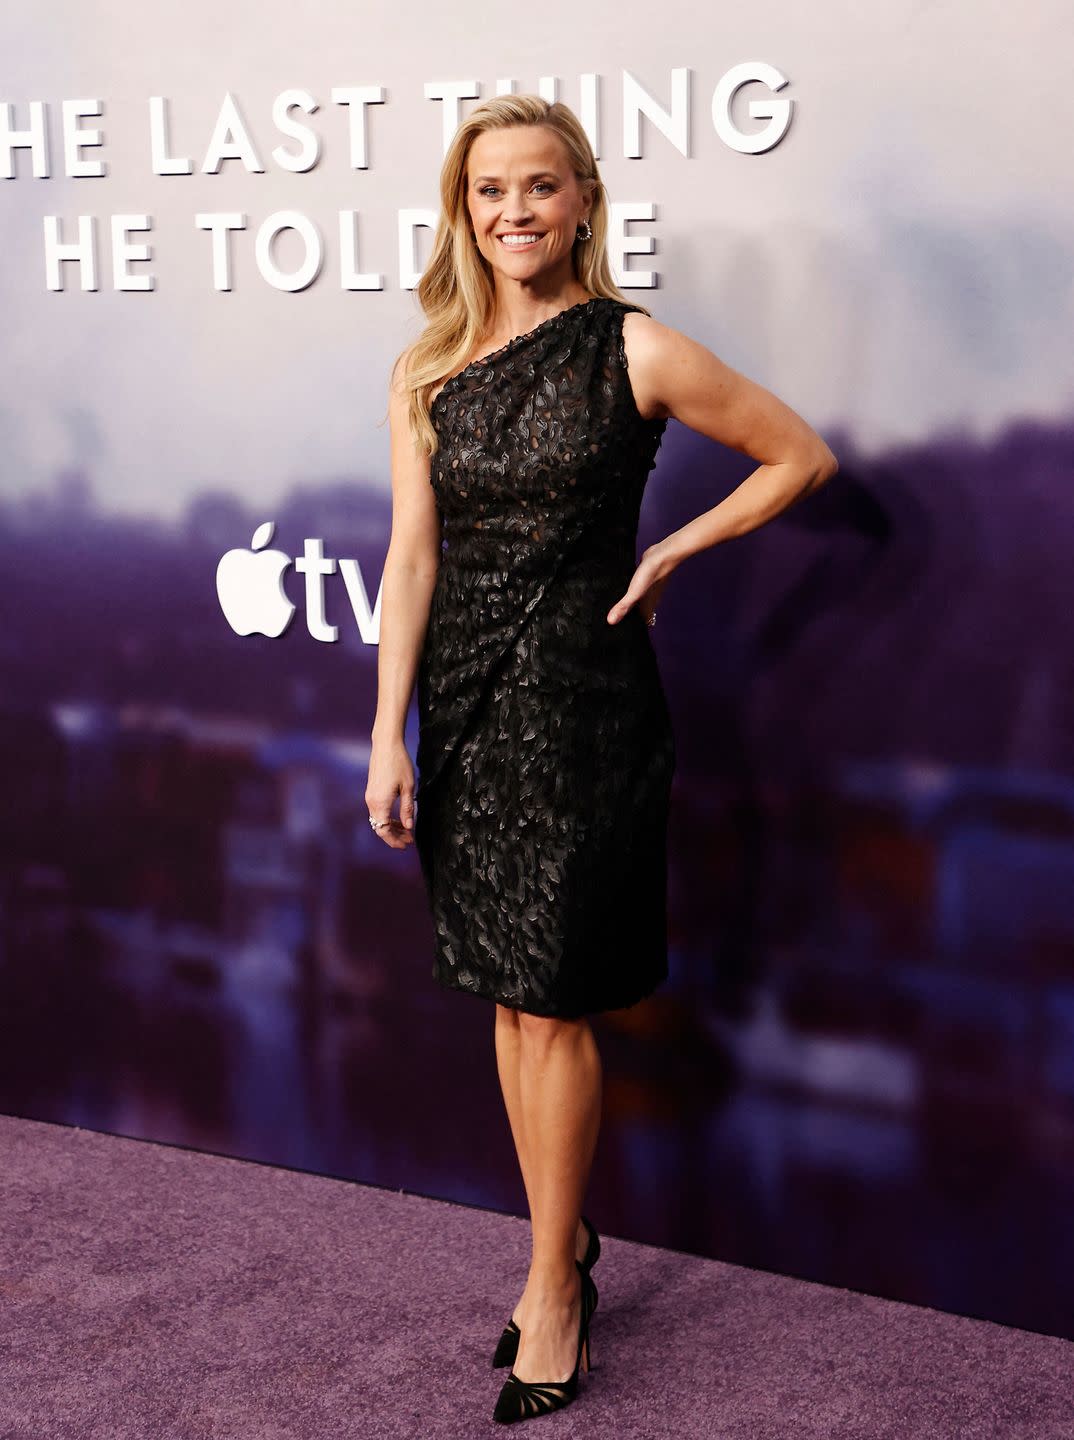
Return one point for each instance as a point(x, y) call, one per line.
point(525, 421)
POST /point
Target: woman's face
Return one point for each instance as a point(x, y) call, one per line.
point(519, 181)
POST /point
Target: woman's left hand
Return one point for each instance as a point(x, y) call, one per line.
point(646, 585)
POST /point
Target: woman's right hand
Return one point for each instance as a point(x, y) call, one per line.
point(391, 774)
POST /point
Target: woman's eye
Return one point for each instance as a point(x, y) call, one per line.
point(486, 188)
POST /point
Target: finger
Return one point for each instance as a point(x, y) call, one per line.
point(619, 609)
point(406, 808)
point(380, 812)
point(622, 607)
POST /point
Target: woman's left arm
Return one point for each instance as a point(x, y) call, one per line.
point(676, 377)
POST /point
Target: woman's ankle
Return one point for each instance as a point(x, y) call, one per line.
point(553, 1281)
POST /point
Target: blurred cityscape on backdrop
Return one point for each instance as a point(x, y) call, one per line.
point(861, 1070)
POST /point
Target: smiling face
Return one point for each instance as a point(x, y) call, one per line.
point(525, 205)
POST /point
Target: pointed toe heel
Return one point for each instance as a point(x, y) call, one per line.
point(524, 1399)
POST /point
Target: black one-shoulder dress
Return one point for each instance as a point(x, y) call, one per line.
point(545, 751)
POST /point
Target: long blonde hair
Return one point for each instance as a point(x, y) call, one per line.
point(456, 289)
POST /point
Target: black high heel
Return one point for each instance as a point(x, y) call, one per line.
point(507, 1346)
point(523, 1399)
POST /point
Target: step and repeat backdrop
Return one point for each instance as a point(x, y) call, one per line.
point(212, 220)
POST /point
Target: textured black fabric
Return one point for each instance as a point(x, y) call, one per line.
point(545, 751)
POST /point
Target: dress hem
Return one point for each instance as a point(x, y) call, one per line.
point(631, 997)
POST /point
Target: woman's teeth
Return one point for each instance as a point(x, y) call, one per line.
point(515, 242)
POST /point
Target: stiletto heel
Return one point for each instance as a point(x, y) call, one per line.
point(523, 1399)
point(507, 1345)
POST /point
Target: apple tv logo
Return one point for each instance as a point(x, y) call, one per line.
point(249, 586)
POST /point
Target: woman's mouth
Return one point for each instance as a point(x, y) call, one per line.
point(518, 241)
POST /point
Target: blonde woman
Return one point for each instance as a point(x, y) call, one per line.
point(525, 421)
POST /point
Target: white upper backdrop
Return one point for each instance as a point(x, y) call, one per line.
point(899, 264)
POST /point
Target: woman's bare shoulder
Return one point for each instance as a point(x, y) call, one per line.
point(648, 345)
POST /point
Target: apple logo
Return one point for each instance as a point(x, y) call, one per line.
point(249, 586)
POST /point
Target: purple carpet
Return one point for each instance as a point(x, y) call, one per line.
point(147, 1291)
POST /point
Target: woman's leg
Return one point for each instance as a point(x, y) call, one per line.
point(508, 1042)
point(508, 1060)
point(559, 1105)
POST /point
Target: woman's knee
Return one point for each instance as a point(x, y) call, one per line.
point(541, 1032)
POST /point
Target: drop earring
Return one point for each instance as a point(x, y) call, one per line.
point(588, 235)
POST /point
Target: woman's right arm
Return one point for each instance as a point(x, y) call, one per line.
point(410, 570)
